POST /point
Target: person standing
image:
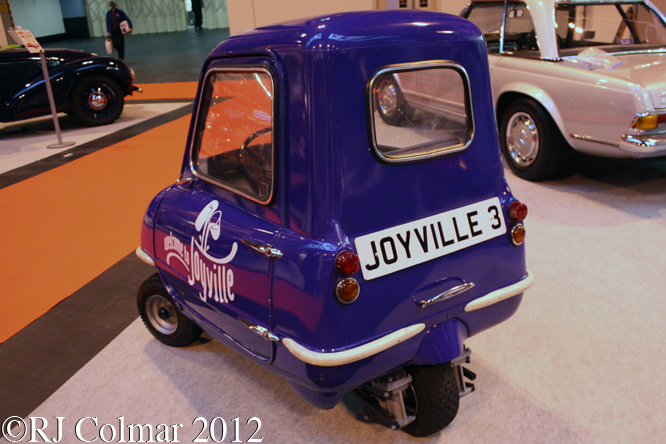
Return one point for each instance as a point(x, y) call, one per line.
point(198, 14)
point(113, 20)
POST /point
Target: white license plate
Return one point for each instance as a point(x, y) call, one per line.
point(387, 251)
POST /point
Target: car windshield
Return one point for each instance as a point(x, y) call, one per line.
point(617, 27)
point(519, 35)
point(614, 27)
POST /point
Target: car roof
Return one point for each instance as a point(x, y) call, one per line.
point(350, 31)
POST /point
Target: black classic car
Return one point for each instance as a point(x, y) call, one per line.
point(85, 85)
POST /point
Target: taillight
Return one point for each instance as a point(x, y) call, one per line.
point(517, 234)
point(347, 289)
point(347, 263)
point(517, 211)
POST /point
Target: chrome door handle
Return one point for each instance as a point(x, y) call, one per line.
point(266, 250)
point(455, 291)
point(187, 181)
point(261, 331)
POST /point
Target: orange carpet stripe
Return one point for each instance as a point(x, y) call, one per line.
point(165, 91)
point(63, 228)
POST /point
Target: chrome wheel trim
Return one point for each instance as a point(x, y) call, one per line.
point(166, 325)
point(387, 98)
point(97, 99)
point(522, 139)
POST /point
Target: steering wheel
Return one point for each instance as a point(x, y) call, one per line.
point(249, 160)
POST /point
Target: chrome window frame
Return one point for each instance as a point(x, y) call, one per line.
point(196, 137)
point(447, 64)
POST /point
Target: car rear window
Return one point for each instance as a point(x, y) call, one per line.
point(233, 145)
point(420, 111)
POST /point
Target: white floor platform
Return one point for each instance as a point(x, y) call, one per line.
point(27, 141)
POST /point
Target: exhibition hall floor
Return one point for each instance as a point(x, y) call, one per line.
point(580, 362)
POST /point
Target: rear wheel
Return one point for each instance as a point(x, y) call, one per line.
point(97, 100)
point(531, 142)
point(433, 398)
point(161, 316)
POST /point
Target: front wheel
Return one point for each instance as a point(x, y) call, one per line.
point(433, 398)
point(531, 142)
point(97, 100)
point(161, 316)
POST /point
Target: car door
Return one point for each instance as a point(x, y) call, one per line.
point(14, 74)
point(220, 227)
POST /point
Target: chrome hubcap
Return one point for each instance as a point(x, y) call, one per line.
point(522, 139)
point(97, 100)
point(387, 98)
point(161, 314)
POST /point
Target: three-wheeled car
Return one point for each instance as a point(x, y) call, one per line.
point(341, 251)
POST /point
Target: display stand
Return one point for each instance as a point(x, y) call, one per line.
point(25, 38)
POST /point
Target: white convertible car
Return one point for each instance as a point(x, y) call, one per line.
point(583, 73)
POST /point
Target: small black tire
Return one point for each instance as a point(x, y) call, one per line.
point(531, 142)
point(161, 316)
point(97, 100)
point(433, 398)
point(389, 101)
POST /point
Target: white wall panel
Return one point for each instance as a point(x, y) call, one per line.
point(150, 16)
point(41, 17)
point(454, 7)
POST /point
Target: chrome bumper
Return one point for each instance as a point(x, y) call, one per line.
point(644, 145)
point(141, 254)
point(353, 354)
point(501, 294)
point(332, 359)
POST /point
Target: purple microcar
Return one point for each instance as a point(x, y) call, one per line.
point(342, 217)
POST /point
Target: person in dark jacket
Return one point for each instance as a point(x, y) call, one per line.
point(113, 20)
point(198, 14)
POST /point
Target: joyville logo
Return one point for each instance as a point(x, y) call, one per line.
point(214, 276)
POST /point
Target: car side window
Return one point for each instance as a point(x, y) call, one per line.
point(419, 112)
point(233, 144)
point(519, 34)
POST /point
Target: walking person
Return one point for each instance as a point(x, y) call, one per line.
point(114, 18)
point(198, 14)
